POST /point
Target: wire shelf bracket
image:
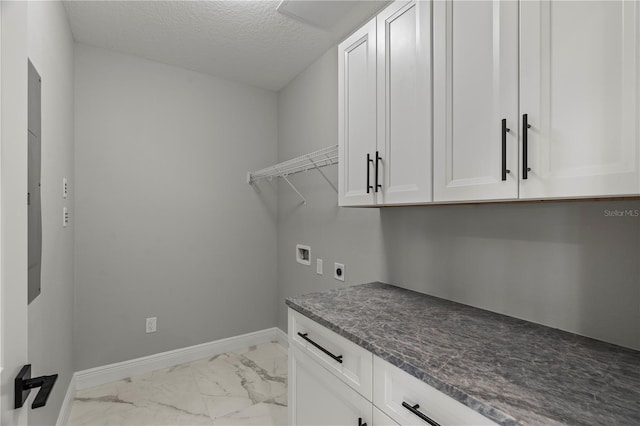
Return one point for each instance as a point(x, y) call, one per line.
point(312, 161)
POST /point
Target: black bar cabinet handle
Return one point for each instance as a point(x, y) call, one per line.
point(360, 422)
point(525, 146)
point(335, 357)
point(369, 161)
point(378, 159)
point(504, 149)
point(414, 410)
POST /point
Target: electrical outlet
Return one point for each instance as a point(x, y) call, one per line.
point(65, 217)
point(151, 325)
point(319, 266)
point(338, 271)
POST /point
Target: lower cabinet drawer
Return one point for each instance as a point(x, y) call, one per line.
point(349, 362)
point(319, 398)
point(381, 419)
point(392, 387)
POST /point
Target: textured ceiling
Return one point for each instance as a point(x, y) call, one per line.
point(246, 41)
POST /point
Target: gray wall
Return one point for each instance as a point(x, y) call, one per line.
point(307, 121)
point(562, 264)
point(50, 48)
point(166, 225)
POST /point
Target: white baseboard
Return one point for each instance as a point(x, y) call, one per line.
point(121, 370)
point(283, 339)
point(65, 410)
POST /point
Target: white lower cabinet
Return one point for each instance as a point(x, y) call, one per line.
point(410, 401)
point(317, 397)
point(332, 381)
point(349, 362)
point(381, 419)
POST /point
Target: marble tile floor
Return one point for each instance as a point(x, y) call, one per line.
point(247, 387)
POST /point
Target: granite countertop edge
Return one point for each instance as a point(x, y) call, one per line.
point(481, 407)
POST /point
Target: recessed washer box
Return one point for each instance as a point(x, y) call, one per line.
point(303, 254)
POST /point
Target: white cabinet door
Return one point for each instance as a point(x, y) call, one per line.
point(381, 419)
point(579, 88)
point(317, 397)
point(357, 116)
point(475, 89)
point(404, 103)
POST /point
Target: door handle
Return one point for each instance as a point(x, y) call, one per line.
point(24, 383)
point(525, 146)
point(369, 161)
point(504, 149)
point(378, 159)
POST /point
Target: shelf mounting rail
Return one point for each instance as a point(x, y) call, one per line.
point(314, 160)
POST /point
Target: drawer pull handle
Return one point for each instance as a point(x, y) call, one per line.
point(336, 357)
point(360, 422)
point(414, 410)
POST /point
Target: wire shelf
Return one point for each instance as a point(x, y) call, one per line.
point(312, 161)
point(321, 158)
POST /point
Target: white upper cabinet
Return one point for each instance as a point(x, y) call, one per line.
point(532, 99)
point(385, 115)
point(404, 103)
point(357, 117)
point(475, 92)
point(579, 89)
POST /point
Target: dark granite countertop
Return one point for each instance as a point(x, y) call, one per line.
point(510, 370)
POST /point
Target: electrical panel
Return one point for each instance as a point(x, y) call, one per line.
point(34, 208)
